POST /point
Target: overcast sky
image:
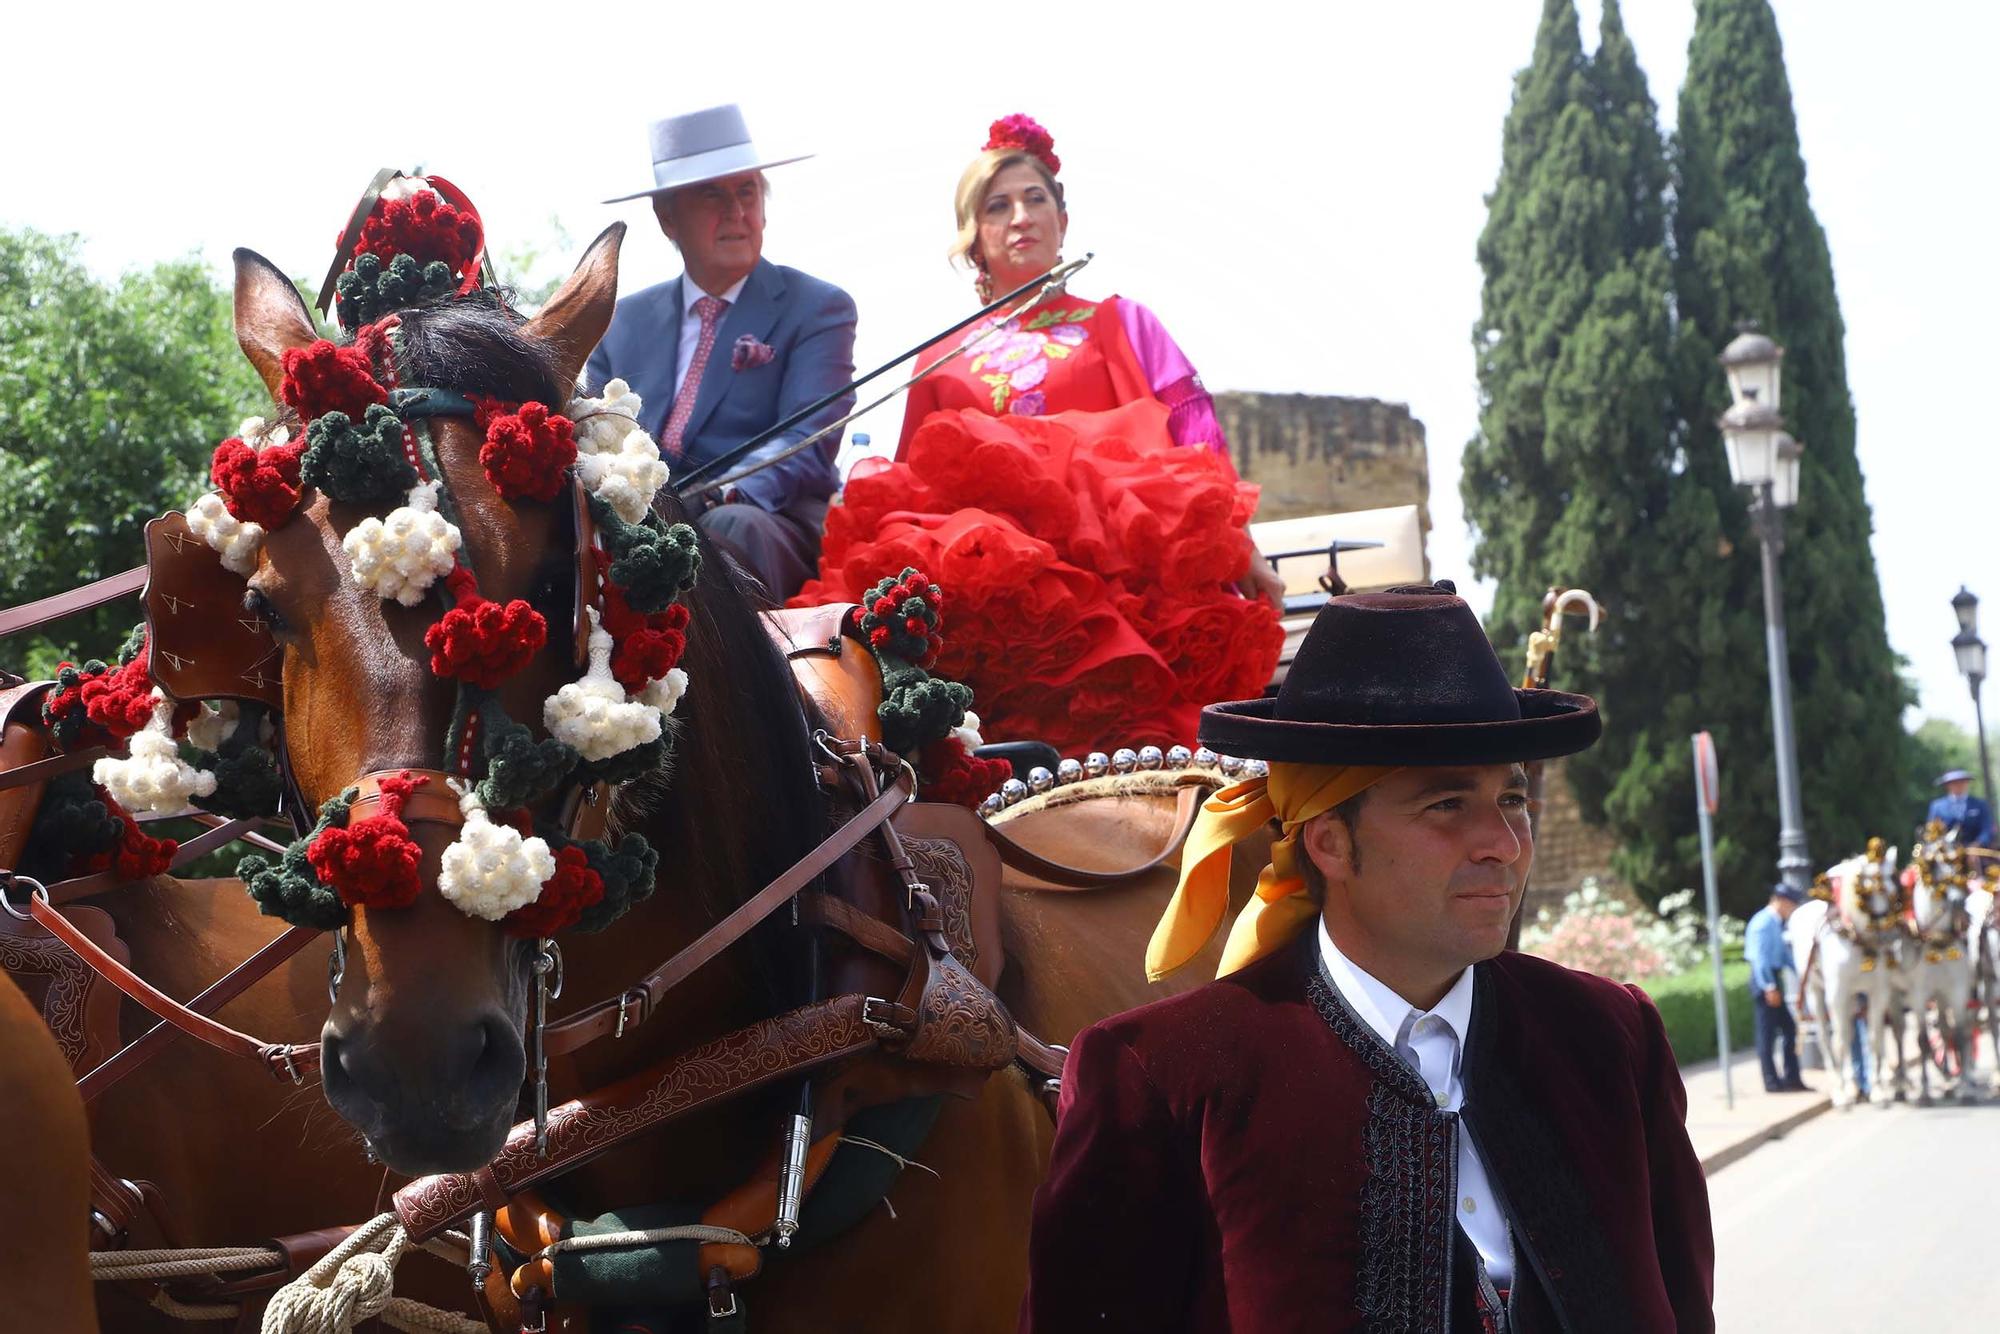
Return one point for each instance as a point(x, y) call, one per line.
point(1295, 189)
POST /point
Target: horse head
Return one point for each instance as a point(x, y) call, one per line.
point(388, 722)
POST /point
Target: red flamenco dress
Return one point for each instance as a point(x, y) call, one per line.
point(1087, 558)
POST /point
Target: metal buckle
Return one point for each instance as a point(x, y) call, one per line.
point(336, 965)
point(624, 997)
point(716, 1311)
point(114, 1235)
point(885, 1029)
point(281, 1054)
point(8, 879)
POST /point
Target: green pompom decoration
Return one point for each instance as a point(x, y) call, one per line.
point(288, 889)
point(653, 562)
point(246, 781)
point(73, 822)
point(362, 462)
point(627, 870)
point(134, 641)
point(918, 708)
point(520, 769)
point(626, 765)
point(69, 725)
point(370, 289)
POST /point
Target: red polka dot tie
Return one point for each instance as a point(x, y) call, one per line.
point(710, 309)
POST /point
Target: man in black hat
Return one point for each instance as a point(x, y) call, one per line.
point(1375, 1118)
point(1769, 954)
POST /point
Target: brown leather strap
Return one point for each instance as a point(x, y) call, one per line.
point(1043, 1058)
point(868, 932)
point(219, 993)
point(777, 1048)
point(431, 803)
point(283, 1060)
point(115, 1205)
point(633, 1005)
point(41, 771)
point(1021, 859)
point(31, 614)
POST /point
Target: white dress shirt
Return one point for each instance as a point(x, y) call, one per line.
point(691, 323)
point(1431, 1043)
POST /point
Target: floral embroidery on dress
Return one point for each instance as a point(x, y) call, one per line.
point(1015, 359)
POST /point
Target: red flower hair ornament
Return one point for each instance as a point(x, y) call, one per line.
point(1023, 132)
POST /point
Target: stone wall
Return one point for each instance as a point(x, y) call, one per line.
point(1566, 849)
point(1318, 454)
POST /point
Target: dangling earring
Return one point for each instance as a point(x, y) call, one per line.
point(982, 285)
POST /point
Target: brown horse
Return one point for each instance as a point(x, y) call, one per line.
point(424, 1049)
point(42, 1229)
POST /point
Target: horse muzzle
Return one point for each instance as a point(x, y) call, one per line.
point(437, 1098)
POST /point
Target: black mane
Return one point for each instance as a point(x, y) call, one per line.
point(477, 345)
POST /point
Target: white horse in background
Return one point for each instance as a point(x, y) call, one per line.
point(1944, 960)
point(1846, 947)
point(1979, 905)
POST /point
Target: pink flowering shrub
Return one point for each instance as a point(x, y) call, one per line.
point(1601, 933)
point(1602, 943)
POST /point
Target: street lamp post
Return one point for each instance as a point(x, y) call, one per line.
point(1765, 460)
point(1970, 650)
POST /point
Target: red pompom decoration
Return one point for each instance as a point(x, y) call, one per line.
point(564, 897)
point(135, 856)
point(258, 485)
point(1022, 132)
point(479, 641)
point(325, 377)
point(527, 450)
point(121, 700)
point(373, 863)
point(423, 227)
point(954, 774)
point(644, 647)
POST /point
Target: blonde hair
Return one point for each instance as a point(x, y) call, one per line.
point(972, 188)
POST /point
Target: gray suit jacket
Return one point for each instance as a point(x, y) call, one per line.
point(807, 322)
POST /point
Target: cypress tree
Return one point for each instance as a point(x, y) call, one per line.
point(1747, 245)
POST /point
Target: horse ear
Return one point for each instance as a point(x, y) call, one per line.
point(576, 317)
point(271, 317)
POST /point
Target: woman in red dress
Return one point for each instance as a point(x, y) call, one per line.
point(1064, 480)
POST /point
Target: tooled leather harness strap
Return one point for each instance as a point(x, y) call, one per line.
point(1076, 877)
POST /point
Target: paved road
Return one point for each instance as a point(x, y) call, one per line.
point(1888, 1213)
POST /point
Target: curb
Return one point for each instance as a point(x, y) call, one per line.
point(1729, 1153)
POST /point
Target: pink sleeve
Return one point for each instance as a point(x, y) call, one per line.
point(1171, 377)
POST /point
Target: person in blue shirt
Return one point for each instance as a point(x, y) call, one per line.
point(1958, 810)
point(1765, 947)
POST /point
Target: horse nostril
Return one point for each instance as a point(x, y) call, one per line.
point(494, 1059)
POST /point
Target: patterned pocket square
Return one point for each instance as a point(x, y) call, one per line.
point(748, 354)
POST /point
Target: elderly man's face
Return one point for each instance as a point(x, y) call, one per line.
point(1959, 787)
point(1434, 868)
point(718, 225)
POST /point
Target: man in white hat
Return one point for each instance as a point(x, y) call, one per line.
point(733, 346)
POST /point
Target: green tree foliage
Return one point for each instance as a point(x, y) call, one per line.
point(1937, 746)
point(1748, 245)
point(112, 395)
point(1597, 461)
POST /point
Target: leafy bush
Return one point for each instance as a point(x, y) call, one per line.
point(1687, 1007)
point(1603, 934)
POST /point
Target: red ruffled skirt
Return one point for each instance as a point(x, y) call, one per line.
point(1087, 564)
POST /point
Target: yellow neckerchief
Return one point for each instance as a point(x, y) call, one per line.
point(1292, 795)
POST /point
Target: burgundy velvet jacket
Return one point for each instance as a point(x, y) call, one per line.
point(1249, 1156)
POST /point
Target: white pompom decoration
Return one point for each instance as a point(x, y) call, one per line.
point(626, 479)
point(258, 433)
point(491, 870)
point(593, 715)
point(968, 732)
point(665, 693)
point(234, 540)
point(401, 556)
point(153, 779)
point(215, 724)
point(602, 423)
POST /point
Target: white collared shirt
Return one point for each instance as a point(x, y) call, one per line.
point(691, 323)
point(1431, 1043)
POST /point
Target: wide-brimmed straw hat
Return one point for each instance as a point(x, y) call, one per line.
point(699, 146)
point(1403, 677)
